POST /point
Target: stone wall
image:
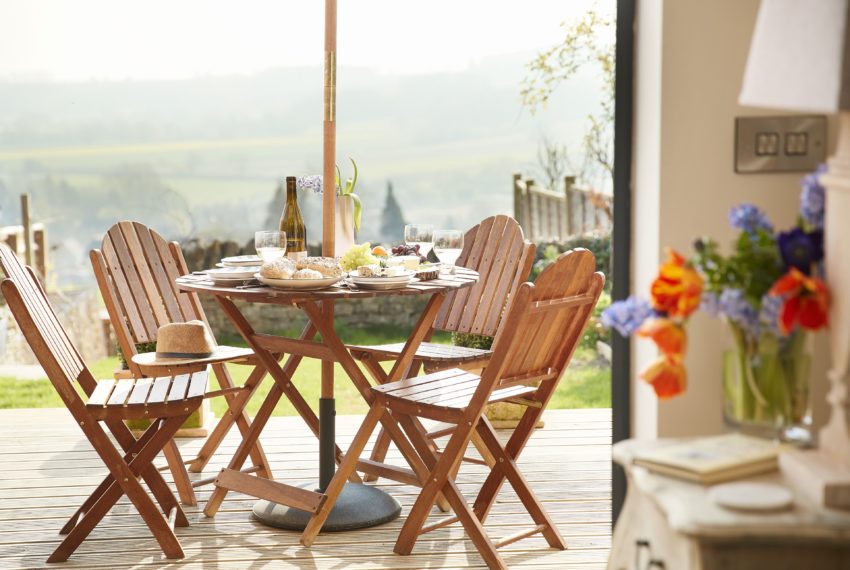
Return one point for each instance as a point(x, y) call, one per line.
point(78, 311)
point(362, 313)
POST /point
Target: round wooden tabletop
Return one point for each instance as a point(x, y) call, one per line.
point(199, 283)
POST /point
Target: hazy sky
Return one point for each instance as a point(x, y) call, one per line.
point(72, 40)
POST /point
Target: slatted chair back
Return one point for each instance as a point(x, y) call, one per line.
point(44, 333)
point(136, 270)
point(543, 327)
point(496, 249)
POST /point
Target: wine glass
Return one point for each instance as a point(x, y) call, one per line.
point(421, 235)
point(447, 246)
point(270, 245)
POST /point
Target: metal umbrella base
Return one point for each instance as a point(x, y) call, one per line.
point(358, 506)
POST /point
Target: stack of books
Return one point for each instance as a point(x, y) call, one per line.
point(712, 460)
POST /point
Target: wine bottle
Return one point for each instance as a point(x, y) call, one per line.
point(292, 222)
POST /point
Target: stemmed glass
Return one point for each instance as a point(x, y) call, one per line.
point(421, 235)
point(270, 245)
point(447, 246)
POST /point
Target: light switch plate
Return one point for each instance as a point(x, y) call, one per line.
point(779, 144)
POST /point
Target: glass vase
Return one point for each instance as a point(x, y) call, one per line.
point(766, 387)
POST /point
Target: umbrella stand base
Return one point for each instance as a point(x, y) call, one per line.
point(358, 506)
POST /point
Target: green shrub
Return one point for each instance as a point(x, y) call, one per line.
point(599, 245)
point(470, 340)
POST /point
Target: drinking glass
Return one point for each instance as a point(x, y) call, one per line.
point(447, 246)
point(421, 235)
point(270, 245)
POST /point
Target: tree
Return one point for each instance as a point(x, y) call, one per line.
point(587, 41)
point(392, 219)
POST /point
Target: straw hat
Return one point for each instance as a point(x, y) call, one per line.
point(190, 340)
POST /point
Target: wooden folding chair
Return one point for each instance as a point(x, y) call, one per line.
point(135, 270)
point(166, 401)
point(496, 249)
point(543, 326)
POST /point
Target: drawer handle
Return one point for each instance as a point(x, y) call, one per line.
point(640, 545)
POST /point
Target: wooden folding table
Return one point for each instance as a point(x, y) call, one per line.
point(288, 506)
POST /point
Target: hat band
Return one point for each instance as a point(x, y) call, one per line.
point(183, 354)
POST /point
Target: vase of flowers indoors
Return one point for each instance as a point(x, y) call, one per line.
point(349, 209)
point(770, 295)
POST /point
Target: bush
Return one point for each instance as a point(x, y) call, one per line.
point(599, 245)
point(470, 340)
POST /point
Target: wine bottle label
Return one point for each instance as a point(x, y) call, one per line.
point(296, 254)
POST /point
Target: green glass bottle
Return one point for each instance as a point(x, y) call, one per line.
point(292, 222)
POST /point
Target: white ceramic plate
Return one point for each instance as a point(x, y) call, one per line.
point(754, 496)
point(230, 273)
point(297, 284)
point(403, 278)
point(242, 261)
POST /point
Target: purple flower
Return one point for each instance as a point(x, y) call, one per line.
point(801, 249)
point(312, 182)
point(710, 303)
point(771, 305)
point(812, 198)
point(748, 218)
point(627, 316)
point(735, 307)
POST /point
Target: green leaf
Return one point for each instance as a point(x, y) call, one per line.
point(353, 180)
point(358, 210)
point(338, 186)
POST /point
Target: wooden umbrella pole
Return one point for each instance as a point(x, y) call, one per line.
point(327, 405)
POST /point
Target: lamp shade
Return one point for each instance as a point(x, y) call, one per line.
point(799, 57)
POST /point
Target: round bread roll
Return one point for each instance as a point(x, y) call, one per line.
point(281, 268)
point(307, 274)
point(327, 266)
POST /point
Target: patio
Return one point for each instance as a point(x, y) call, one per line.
point(49, 468)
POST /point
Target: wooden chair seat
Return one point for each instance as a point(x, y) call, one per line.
point(137, 398)
point(429, 352)
point(445, 391)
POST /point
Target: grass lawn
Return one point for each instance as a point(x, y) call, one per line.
point(587, 384)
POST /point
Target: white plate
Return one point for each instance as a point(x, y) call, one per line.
point(242, 261)
point(298, 284)
point(227, 273)
point(752, 496)
point(403, 278)
point(382, 283)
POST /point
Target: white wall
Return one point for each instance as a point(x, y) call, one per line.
point(690, 57)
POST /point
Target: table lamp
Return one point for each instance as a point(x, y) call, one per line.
point(799, 60)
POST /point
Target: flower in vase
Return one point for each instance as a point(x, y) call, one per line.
point(312, 182)
point(678, 288)
point(806, 301)
point(801, 249)
point(735, 307)
point(669, 337)
point(771, 308)
point(667, 376)
point(749, 218)
point(710, 303)
point(626, 316)
point(813, 198)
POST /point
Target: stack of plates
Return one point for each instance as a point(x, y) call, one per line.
point(231, 275)
point(241, 261)
point(382, 283)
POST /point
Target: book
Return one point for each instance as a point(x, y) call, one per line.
point(711, 460)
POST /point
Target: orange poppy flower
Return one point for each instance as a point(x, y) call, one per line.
point(667, 376)
point(678, 288)
point(806, 303)
point(670, 337)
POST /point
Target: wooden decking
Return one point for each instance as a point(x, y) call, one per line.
point(47, 468)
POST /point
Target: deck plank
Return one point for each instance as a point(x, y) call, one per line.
point(49, 468)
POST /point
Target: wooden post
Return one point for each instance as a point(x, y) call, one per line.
point(529, 197)
point(39, 233)
point(519, 204)
point(569, 182)
point(25, 221)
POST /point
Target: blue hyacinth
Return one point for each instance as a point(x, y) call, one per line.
point(749, 218)
point(771, 306)
point(312, 182)
point(627, 316)
point(813, 198)
point(735, 307)
point(710, 303)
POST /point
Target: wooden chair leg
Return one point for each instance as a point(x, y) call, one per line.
point(508, 468)
point(235, 414)
point(349, 463)
point(125, 482)
point(181, 477)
